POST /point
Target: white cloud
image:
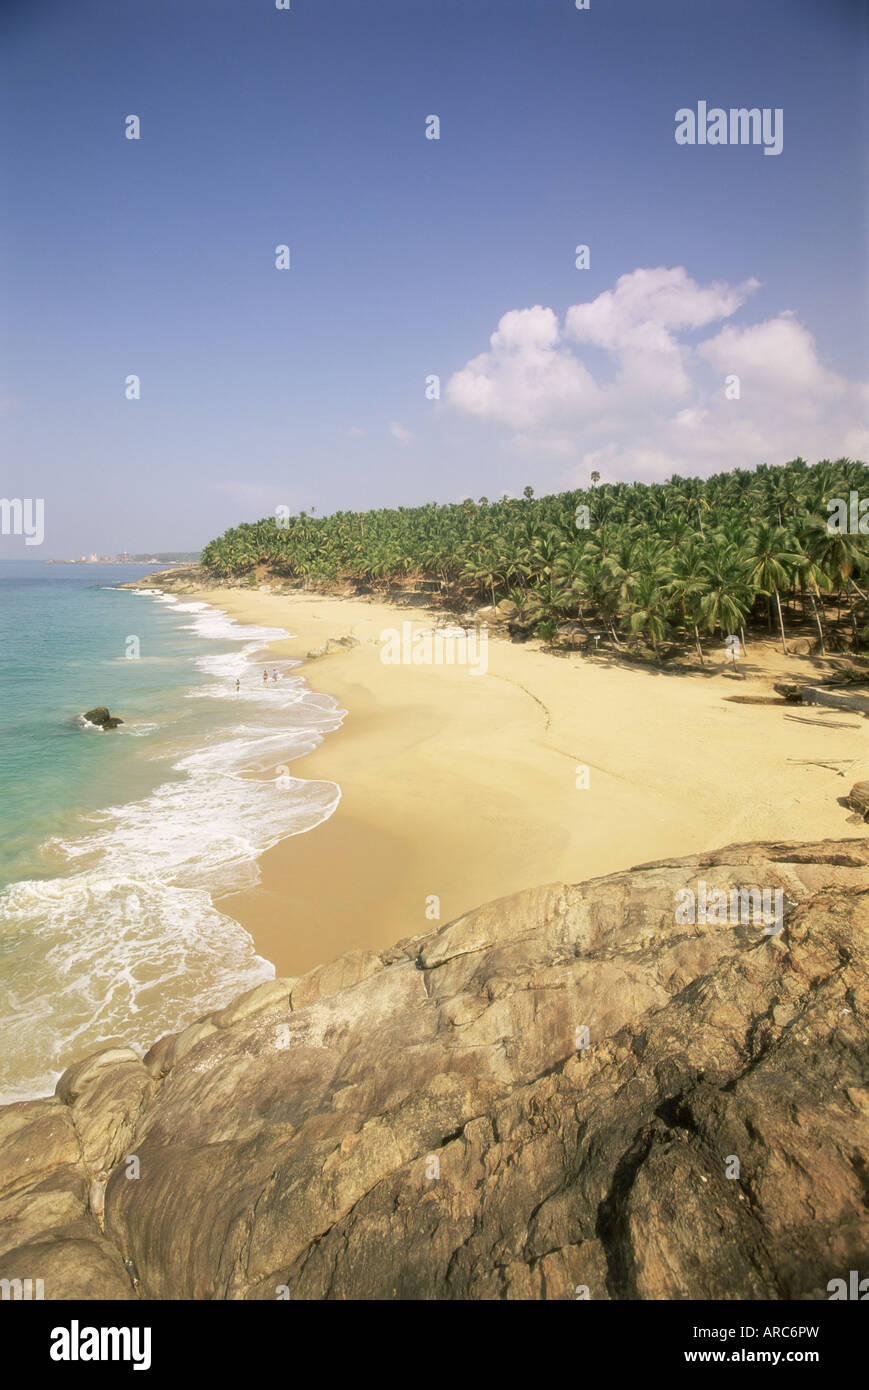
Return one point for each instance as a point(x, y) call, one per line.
point(778, 356)
point(646, 303)
point(526, 380)
point(399, 433)
point(635, 323)
point(661, 407)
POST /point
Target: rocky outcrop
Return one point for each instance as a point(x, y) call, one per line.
point(101, 717)
point(181, 579)
point(851, 702)
point(858, 799)
point(334, 644)
point(847, 678)
point(573, 1089)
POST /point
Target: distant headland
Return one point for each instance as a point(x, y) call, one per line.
point(162, 557)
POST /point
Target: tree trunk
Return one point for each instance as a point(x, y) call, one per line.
point(818, 625)
point(853, 615)
point(699, 648)
point(780, 620)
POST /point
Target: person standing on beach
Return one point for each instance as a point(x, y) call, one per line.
point(275, 674)
point(238, 685)
point(265, 674)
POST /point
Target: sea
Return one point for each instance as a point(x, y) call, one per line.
point(115, 844)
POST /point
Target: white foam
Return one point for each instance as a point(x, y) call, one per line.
point(211, 826)
point(129, 938)
point(86, 724)
point(219, 627)
point(121, 953)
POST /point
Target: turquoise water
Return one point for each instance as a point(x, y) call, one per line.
point(62, 650)
point(114, 844)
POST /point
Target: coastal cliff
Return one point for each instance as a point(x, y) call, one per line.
point(564, 1093)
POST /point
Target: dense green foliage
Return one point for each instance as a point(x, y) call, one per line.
point(648, 563)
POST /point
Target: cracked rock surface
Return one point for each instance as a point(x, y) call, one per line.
point(435, 1122)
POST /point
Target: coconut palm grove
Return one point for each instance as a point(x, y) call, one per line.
point(647, 568)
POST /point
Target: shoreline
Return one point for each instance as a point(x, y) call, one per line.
point(459, 789)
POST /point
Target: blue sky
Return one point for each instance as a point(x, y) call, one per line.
point(305, 387)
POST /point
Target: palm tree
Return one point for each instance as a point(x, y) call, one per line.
point(690, 584)
point(840, 555)
point(773, 561)
point(571, 570)
point(727, 598)
point(816, 579)
point(648, 614)
point(688, 555)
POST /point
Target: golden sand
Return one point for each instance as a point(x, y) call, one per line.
point(457, 789)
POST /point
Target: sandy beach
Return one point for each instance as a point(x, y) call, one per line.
point(460, 788)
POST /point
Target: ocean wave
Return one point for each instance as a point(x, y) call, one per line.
point(87, 725)
point(211, 826)
point(128, 942)
point(120, 953)
point(218, 626)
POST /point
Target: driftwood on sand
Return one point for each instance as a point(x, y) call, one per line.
point(831, 763)
point(822, 723)
point(755, 700)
